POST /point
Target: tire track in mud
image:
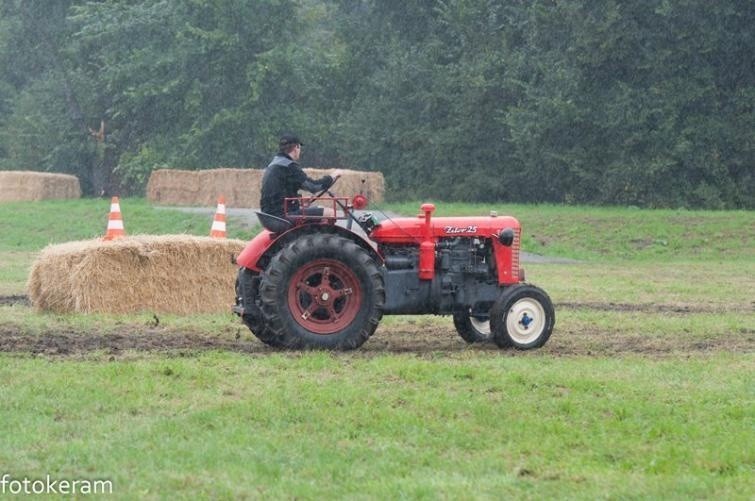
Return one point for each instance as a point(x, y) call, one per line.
point(425, 341)
point(412, 337)
point(14, 300)
point(22, 300)
point(657, 307)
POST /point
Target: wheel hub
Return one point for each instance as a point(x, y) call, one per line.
point(525, 320)
point(323, 296)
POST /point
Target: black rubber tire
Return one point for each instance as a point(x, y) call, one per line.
point(468, 331)
point(262, 332)
point(367, 294)
point(254, 321)
point(532, 306)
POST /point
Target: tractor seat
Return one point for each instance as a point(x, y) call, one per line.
point(272, 223)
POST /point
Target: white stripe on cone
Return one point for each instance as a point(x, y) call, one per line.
point(218, 226)
point(115, 224)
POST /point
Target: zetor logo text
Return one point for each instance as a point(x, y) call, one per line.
point(464, 229)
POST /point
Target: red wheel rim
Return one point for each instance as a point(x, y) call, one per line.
point(324, 296)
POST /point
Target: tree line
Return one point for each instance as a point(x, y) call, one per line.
point(636, 102)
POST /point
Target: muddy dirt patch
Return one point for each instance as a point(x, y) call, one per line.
point(17, 300)
point(413, 339)
point(659, 308)
point(22, 300)
point(127, 338)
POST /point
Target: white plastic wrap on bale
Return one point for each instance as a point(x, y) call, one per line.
point(241, 187)
point(178, 274)
point(21, 186)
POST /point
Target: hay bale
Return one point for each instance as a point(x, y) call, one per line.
point(173, 187)
point(241, 187)
point(179, 274)
point(350, 183)
point(16, 186)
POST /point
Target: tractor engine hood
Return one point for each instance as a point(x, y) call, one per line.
point(408, 230)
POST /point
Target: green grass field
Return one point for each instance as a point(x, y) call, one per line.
point(645, 389)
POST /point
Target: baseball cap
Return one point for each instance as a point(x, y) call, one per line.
point(289, 139)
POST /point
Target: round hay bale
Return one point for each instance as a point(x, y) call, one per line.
point(179, 274)
point(242, 187)
point(20, 186)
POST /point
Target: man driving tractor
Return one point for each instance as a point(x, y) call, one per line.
point(283, 178)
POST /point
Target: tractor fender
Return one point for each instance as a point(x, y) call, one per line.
point(254, 249)
point(258, 252)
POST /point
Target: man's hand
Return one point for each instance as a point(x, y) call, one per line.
point(336, 173)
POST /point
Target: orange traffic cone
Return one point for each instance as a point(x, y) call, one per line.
point(114, 221)
point(218, 223)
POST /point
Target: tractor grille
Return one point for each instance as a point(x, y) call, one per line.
point(515, 253)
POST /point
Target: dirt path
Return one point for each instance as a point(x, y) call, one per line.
point(22, 300)
point(413, 337)
point(14, 300)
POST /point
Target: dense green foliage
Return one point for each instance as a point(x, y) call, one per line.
point(633, 102)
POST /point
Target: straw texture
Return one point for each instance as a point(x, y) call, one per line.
point(16, 186)
point(179, 274)
point(241, 187)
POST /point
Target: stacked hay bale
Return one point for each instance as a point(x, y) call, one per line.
point(16, 186)
point(351, 183)
point(241, 187)
point(179, 274)
point(173, 187)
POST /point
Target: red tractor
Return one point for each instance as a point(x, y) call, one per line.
point(309, 282)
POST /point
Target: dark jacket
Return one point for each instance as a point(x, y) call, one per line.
point(283, 178)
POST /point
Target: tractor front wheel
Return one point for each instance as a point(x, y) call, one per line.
point(522, 317)
point(322, 291)
point(471, 328)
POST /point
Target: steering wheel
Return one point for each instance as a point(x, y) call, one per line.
point(338, 202)
point(327, 190)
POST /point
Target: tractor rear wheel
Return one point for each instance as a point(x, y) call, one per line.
point(471, 328)
point(522, 317)
point(322, 291)
point(247, 294)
